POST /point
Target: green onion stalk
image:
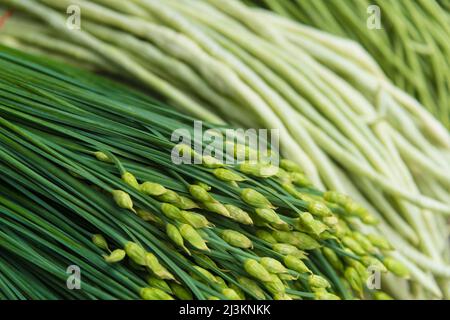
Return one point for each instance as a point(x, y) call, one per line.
point(88, 182)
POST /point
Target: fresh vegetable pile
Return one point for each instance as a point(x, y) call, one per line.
point(411, 44)
point(85, 159)
point(340, 118)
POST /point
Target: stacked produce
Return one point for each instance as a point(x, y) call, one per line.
point(88, 181)
point(410, 43)
point(339, 116)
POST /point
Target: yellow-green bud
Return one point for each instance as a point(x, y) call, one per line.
point(186, 203)
point(256, 270)
point(236, 239)
point(290, 166)
point(352, 276)
point(171, 211)
point(221, 283)
point(175, 236)
point(239, 215)
point(170, 196)
point(181, 292)
point(299, 239)
point(136, 253)
point(154, 294)
point(227, 175)
point(200, 194)
point(115, 256)
point(333, 259)
point(159, 283)
point(380, 295)
point(266, 236)
point(324, 295)
point(217, 207)
point(319, 209)
point(213, 298)
point(160, 271)
point(130, 179)
point(281, 296)
point(272, 265)
point(152, 189)
point(206, 275)
point(364, 242)
point(318, 281)
point(330, 221)
point(255, 199)
point(230, 294)
point(238, 290)
point(148, 216)
point(268, 215)
point(370, 261)
point(204, 261)
point(100, 241)
point(379, 242)
point(396, 267)
point(353, 245)
point(196, 220)
point(295, 264)
point(101, 156)
point(307, 223)
point(203, 185)
point(369, 219)
point(355, 209)
point(275, 285)
point(252, 286)
point(123, 199)
point(288, 249)
point(211, 162)
point(300, 179)
point(193, 237)
point(258, 169)
point(336, 197)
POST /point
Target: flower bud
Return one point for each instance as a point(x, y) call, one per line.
point(148, 216)
point(203, 185)
point(281, 296)
point(206, 275)
point(364, 242)
point(193, 237)
point(272, 265)
point(333, 259)
point(200, 194)
point(396, 267)
point(230, 294)
point(196, 220)
point(154, 294)
point(352, 276)
point(324, 295)
point(300, 179)
point(136, 253)
point(255, 199)
point(238, 290)
point(369, 261)
point(290, 166)
point(123, 199)
point(288, 249)
point(100, 241)
point(204, 261)
point(307, 223)
point(222, 284)
point(152, 189)
point(239, 215)
point(130, 179)
point(115, 256)
point(330, 221)
point(181, 292)
point(275, 285)
point(171, 211)
point(159, 283)
point(353, 245)
point(265, 236)
point(295, 264)
point(186, 203)
point(101, 156)
point(268, 215)
point(213, 298)
point(211, 162)
point(169, 196)
point(336, 197)
point(227, 175)
point(159, 270)
point(217, 207)
point(319, 209)
point(299, 239)
point(318, 281)
point(252, 286)
point(236, 239)
point(175, 236)
point(379, 242)
point(256, 270)
point(258, 169)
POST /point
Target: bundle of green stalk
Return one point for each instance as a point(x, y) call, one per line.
point(88, 181)
point(411, 45)
point(340, 118)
